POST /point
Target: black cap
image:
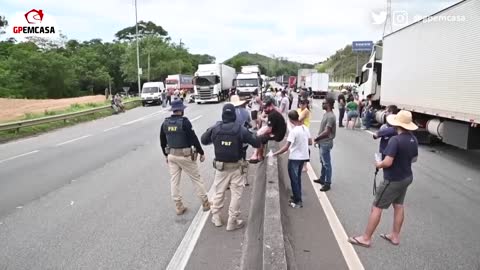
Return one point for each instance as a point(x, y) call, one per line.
point(228, 113)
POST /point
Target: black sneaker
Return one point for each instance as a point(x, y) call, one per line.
point(292, 199)
point(325, 188)
point(319, 181)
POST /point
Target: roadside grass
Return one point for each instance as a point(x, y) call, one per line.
point(10, 135)
point(73, 108)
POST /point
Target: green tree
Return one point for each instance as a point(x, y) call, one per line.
point(3, 24)
point(144, 29)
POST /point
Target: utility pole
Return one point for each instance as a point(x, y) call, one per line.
point(138, 50)
point(148, 65)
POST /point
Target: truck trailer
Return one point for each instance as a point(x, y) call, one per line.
point(431, 68)
point(212, 82)
point(304, 79)
point(319, 85)
point(179, 81)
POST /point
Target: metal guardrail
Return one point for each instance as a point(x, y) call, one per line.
point(33, 122)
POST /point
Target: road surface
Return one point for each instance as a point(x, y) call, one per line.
point(97, 196)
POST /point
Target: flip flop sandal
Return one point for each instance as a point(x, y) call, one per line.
point(354, 241)
point(385, 237)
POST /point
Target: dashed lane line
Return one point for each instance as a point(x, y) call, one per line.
point(112, 128)
point(74, 140)
point(19, 156)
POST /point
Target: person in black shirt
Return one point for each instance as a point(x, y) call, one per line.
point(341, 109)
point(177, 140)
point(275, 130)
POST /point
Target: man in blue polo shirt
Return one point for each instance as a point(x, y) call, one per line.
point(401, 152)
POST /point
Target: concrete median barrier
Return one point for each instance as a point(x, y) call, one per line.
point(264, 246)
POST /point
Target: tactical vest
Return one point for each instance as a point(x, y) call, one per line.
point(176, 136)
point(227, 141)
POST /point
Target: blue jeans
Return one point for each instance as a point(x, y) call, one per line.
point(368, 119)
point(325, 159)
point(295, 172)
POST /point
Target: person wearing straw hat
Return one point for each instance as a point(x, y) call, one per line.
point(178, 141)
point(401, 152)
point(243, 116)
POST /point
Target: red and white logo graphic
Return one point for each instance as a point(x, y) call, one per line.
point(34, 16)
point(34, 23)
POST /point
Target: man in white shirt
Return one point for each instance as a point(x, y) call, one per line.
point(298, 141)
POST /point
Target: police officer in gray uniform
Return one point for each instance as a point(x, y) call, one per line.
point(180, 146)
point(228, 138)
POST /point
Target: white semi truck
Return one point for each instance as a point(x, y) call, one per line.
point(212, 82)
point(432, 68)
point(249, 82)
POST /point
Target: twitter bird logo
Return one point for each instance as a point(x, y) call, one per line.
point(379, 17)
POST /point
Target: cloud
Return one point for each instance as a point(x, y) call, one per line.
point(304, 30)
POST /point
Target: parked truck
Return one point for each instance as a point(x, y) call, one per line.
point(212, 82)
point(282, 80)
point(179, 81)
point(304, 78)
point(249, 82)
point(319, 85)
point(292, 82)
point(431, 68)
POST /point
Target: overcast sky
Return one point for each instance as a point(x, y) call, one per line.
point(307, 30)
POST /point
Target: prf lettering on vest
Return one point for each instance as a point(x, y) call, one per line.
point(226, 143)
point(174, 129)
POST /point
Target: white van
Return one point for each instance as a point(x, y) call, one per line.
point(152, 93)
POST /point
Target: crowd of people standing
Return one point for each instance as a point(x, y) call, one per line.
point(258, 121)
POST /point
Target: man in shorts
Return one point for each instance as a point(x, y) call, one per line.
point(401, 152)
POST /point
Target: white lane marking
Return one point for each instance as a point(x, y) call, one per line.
point(112, 128)
point(196, 118)
point(74, 140)
point(71, 203)
point(19, 207)
point(143, 118)
point(22, 155)
point(349, 253)
point(185, 249)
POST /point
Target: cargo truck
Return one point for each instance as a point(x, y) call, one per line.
point(431, 68)
point(304, 79)
point(319, 85)
point(249, 82)
point(282, 80)
point(179, 81)
point(212, 82)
